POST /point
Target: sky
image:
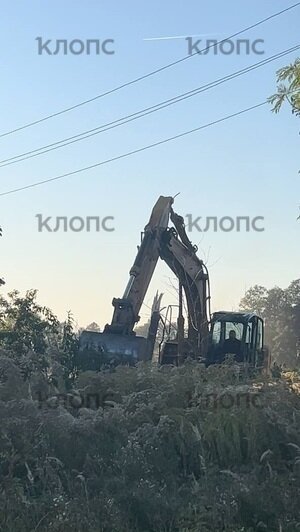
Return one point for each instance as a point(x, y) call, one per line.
point(246, 166)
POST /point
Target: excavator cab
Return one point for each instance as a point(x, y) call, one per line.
point(249, 338)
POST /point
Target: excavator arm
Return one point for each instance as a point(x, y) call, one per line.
point(192, 275)
point(119, 343)
point(127, 308)
point(173, 246)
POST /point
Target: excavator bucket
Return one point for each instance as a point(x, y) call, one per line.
point(98, 350)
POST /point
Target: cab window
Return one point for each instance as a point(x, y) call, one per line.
point(233, 326)
point(216, 335)
point(249, 333)
point(259, 339)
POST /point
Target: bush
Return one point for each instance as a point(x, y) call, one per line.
point(150, 449)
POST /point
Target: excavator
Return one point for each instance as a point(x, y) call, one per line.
point(203, 338)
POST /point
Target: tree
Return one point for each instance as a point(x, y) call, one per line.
point(289, 92)
point(63, 360)
point(255, 300)
point(24, 324)
point(93, 327)
point(280, 309)
point(33, 337)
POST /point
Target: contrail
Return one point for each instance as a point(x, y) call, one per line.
point(179, 37)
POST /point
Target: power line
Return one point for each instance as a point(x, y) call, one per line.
point(140, 114)
point(133, 152)
point(149, 74)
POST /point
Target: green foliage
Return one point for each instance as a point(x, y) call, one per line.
point(142, 449)
point(155, 455)
point(36, 341)
point(289, 92)
point(25, 325)
point(93, 327)
point(67, 351)
point(280, 309)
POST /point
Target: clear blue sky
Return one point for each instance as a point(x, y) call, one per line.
point(247, 166)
